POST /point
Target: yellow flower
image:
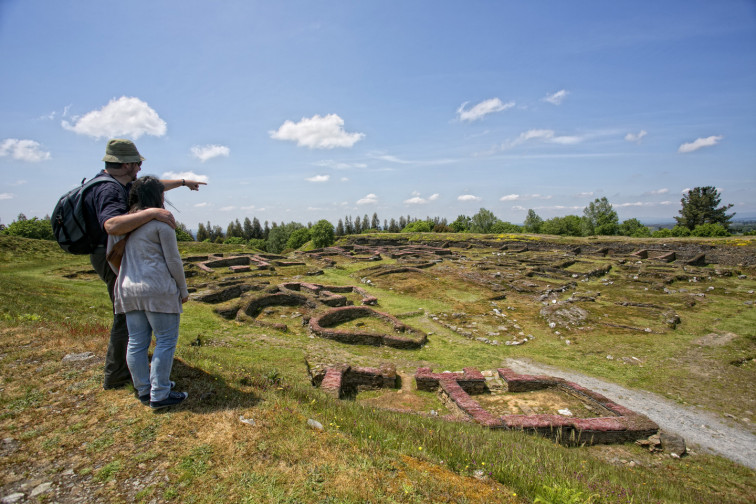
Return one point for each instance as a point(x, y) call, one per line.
point(420, 448)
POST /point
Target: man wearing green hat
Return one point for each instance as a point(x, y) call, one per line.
point(107, 213)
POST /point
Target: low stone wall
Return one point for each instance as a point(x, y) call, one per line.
point(328, 294)
point(343, 380)
point(255, 306)
point(470, 379)
point(323, 327)
point(235, 262)
point(618, 426)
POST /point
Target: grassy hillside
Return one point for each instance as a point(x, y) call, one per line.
point(243, 434)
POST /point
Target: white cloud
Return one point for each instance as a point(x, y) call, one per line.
point(329, 163)
point(587, 194)
point(250, 207)
point(345, 179)
point(557, 98)
point(468, 197)
point(319, 178)
point(187, 175)
point(510, 197)
point(124, 116)
point(699, 143)
point(227, 208)
point(482, 109)
point(566, 140)
point(23, 150)
point(417, 200)
point(367, 200)
point(317, 132)
point(201, 205)
point(391, 159)
point(636, 137)
point(6, 196)
point(205, 152)
point(659, 191)
point(543, 135)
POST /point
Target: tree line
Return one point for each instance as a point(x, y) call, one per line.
point(700, 215)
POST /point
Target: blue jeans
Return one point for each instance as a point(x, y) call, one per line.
point(154, 380)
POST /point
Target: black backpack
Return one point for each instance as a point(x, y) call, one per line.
point(68, 219)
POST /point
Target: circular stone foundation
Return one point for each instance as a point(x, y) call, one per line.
point(324, 326)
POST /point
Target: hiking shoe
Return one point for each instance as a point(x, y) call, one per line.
point(173, 399)
point(145, 399)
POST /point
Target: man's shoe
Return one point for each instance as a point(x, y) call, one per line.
point(145, 399)
point(173, 399)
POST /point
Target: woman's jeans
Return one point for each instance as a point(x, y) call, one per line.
point(154, 382)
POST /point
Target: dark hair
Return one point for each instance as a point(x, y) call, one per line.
point(110, 165)
point(146, 192)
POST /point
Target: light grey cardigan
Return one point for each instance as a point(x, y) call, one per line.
point(152, 274)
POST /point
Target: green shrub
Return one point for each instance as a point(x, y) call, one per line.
point(257, 243)
point(298, 238)
point(419, 226)
point(505, 227)
point(183, 236)
point(235, 240)
point(680, 231)
point(31, 228)
point(322, 234)
point(633, 227)
point(710, 229)
point(662, 233)
point(569, 225)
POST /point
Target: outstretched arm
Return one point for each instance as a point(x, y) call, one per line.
point(129, 222)
point(193, 185)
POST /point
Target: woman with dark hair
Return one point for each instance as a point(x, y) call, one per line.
point(150, 290)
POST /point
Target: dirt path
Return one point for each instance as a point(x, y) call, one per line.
point(699, 428)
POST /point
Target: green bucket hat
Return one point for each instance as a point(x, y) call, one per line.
point(120, 150)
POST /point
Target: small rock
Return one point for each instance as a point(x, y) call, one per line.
point(248, 421)
point(78, 357)
point(479, 474)
point(40, 489)
point(673, 444)
point(315, 424)
point(14, 497)
point(565, 412)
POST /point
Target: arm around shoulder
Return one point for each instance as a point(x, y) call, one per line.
point(129, 222)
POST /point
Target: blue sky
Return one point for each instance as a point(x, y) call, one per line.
point(303, 110)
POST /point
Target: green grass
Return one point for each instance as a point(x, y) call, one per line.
point(255, 372)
